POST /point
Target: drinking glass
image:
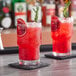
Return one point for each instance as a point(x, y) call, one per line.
point(29, 40)
point(61, 32)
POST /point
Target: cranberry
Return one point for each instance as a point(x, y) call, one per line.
point(55, 23)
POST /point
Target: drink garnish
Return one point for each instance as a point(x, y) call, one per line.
point(36, 13)
point(55, 23)
point(21, 27)
point(65, 11)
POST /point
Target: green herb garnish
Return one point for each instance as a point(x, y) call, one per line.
point(36, 14)
point(65, 11)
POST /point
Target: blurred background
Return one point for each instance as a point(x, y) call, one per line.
point(11, 10)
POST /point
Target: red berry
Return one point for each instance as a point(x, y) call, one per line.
point(55, 23)
point(21, 27)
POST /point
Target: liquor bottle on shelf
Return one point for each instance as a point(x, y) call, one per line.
point(6, 18)
point(73, 11)
point(8, 2)
point(1, 12)
point(31, 13)
point(18, 11)
point(30, 4)
point(60, 8)
point(48, 10)
point(40, 1)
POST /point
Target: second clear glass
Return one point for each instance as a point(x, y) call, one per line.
point(61, 33)
point(29, 40)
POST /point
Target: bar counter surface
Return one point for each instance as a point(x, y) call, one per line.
point(56, 68)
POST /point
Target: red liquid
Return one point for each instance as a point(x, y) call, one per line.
point(29, 44)
point(62, 38)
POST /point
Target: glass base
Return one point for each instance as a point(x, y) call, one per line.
point(33, 62)
point(61, 54)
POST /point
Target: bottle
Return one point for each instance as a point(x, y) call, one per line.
point(44, 13)
point(41, 2)
point(6, 18)
point(73, 10)
point(30, 5)
point(31, 13)
point(1, 12)
point(56, 9)
point(60, 8)
point(48, 10)
point(19, 10)
point(8, 2)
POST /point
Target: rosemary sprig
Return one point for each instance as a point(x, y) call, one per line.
point(36, 13)
point(65, 11)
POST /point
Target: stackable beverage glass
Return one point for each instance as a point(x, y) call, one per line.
point(29, 40)
point(61, 32)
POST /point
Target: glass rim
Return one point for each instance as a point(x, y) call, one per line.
point(34, 24)
point(63, 19)
point(68, 19)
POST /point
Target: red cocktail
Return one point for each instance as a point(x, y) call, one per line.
point(61, 32)
point(29, 40)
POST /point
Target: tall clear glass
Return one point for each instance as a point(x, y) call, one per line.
point(61, 32)
point(29, 40)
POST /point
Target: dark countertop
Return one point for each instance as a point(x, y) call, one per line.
point(56, 68)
